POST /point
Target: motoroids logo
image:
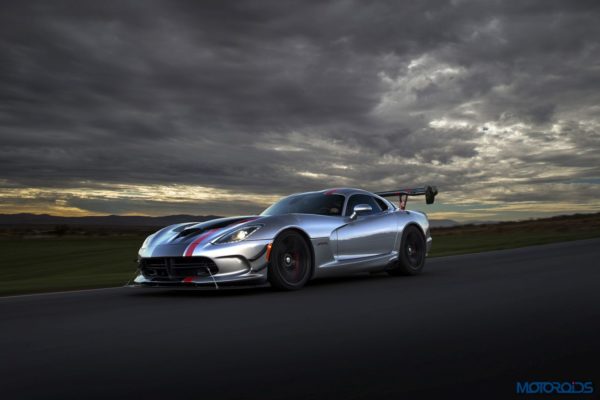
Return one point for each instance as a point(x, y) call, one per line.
point(555, 387)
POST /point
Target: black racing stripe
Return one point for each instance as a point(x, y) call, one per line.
point(208, 225)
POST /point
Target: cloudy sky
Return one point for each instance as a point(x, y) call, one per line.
point(165, 107)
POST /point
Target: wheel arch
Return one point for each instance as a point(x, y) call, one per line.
point(414, 223)
point(402, 227)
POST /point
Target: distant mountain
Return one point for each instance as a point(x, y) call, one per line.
point(108, 220)
point(482, 222)
point(442, 223)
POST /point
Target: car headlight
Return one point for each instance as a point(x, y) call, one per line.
point(238, 235)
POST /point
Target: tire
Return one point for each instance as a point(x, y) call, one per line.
point(290, 265)
point(411, 256)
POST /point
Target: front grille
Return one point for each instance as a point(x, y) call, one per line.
point(161, 268)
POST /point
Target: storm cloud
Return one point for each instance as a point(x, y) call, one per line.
point(109, 107)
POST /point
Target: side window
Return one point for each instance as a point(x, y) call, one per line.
point(362, 199)
point(381, 203)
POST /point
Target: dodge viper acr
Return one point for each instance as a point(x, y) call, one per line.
point(301, 237)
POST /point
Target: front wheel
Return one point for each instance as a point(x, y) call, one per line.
point(411, 257)
point(290, 264)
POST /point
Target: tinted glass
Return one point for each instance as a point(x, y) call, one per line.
point(313, 203)
point(381, 203)
point(362, 199)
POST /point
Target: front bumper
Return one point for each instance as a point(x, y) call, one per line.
point(242, 263)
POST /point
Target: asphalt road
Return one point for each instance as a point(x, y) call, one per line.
point(469, 327)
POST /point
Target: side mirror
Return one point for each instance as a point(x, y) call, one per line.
point(360, 209)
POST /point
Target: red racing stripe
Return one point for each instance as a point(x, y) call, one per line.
point(190, 250)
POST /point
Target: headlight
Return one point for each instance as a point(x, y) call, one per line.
point(238, 235)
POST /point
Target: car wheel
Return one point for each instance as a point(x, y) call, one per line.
point(411, 257)
point(290, 262)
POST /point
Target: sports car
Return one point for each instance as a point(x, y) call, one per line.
point(299, 238)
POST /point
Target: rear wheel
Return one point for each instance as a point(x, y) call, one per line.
point(411, 257)
point(290, 264)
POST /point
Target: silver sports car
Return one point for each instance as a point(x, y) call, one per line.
point(300, 237)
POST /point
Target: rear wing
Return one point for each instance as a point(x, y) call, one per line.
point(429, 191)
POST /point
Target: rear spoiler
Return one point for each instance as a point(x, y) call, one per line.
point(429, 191)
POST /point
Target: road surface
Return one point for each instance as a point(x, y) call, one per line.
point(470, 327)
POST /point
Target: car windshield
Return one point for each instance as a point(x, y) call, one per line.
point(311, 203)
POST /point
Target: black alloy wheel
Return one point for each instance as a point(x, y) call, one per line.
point(290, 262)
point(411, 255)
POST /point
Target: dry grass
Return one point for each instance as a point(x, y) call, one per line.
point(505, 235)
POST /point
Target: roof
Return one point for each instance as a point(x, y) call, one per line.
point(344, 191)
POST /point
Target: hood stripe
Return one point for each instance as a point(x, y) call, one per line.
point(190, 249)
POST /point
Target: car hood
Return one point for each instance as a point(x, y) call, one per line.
point(189, 232)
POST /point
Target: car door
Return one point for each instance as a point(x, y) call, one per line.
point(368, 235)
